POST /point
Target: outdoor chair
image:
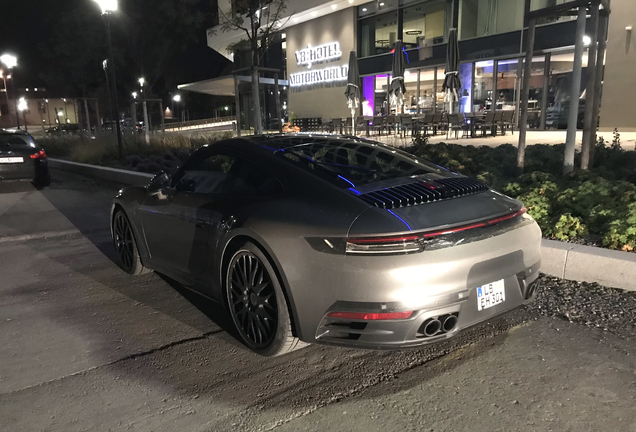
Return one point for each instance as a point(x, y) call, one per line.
point(336, 125)
point(507, 121)
point(378, 124)
point(406, 124)
point(362, 125)
point(438, 122)
point(348, 126)
point(486, 123)
point(497, 121)
point(456, 122)
point(424, 123)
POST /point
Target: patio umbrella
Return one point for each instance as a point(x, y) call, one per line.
point(396, 86)
point(353, 88)
point(452, 84)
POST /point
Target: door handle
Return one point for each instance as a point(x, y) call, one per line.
point(200, 223)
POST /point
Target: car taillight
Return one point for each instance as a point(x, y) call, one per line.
point(370, 315)
point(414, 242)
point(39, 155)
point(384, 245)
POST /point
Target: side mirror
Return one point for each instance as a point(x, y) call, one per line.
point(158, 182)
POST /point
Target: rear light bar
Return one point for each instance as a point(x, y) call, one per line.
point(414, 242)
point(369, 316)
point(39, 155)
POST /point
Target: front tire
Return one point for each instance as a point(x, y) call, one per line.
point(126, 245)
point(257, 304)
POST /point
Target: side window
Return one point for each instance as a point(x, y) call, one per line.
point(246, 178)
point(205, 175)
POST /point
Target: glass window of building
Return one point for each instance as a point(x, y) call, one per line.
point(541, 4)
point(423, 23)
point(488, 17)
point(483, 89)
point(378, 34)
point(507, 85)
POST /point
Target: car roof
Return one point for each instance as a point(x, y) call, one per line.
point(287, 140)
point(14, 132)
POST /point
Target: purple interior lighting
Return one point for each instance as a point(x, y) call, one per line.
point(368, 90)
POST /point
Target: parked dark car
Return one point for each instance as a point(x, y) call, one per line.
point(64, 129)
point(331, 239)
point(22, 158)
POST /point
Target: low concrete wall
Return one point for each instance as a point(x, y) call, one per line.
point(589, 264)
point(559, 259)
point(112, 174)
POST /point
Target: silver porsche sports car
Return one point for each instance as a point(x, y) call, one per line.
point(331, 239)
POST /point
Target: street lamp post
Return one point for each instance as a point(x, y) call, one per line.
point(177, 98)
point(23, 106)
point(108, 7)
point(11, 62)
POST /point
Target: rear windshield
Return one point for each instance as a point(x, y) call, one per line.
point(6, 138)
point(358, 162)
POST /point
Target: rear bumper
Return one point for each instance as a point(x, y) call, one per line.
point(430, 283)
point(395, 334)
point(28, 170)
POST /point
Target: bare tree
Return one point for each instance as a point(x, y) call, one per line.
point(260, 20)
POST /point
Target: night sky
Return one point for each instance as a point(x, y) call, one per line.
point(26, 26)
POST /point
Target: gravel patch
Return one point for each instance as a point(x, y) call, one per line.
point(590, 304)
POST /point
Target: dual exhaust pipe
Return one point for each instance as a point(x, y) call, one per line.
point(440, 325)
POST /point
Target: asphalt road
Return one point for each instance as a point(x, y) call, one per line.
point(85, 347)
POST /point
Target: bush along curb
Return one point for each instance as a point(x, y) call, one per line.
point(559, 259)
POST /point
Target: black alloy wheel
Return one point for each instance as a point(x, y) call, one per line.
point(252, 300)
point(126, 246)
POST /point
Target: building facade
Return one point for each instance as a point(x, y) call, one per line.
point(318, 36)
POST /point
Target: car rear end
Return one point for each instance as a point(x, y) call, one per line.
point(21, 158)
point(433, 253)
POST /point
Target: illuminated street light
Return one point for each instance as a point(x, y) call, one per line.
point(587, 40)
point(134, 95)
point(9, 60)
point(108, 6)
point(176, 98)
point(142, 81)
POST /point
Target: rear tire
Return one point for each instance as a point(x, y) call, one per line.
point(42, 180)
point(126, 245)
point(257, 304)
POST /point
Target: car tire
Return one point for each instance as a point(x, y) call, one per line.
point(250, 285)
point(42, 180)
point(126, 245)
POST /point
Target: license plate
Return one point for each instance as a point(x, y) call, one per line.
point(491, 294)
point(11, 160)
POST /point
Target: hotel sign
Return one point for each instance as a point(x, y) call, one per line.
point(318, 54)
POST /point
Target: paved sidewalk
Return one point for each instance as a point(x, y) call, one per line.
point(628, 139)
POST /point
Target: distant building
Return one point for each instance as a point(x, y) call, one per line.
point(40, 110)
point(491, 46)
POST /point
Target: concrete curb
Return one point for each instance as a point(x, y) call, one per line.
point(559, 259)
point(105, 173)
point(589, 264)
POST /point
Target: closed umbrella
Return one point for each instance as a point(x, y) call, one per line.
point(452, 84)
point(353, 88)
point(396, 86)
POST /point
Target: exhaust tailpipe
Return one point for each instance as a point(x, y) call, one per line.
point(449, 323)
point(432, 327)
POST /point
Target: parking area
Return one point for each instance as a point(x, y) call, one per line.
point(84, 346)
